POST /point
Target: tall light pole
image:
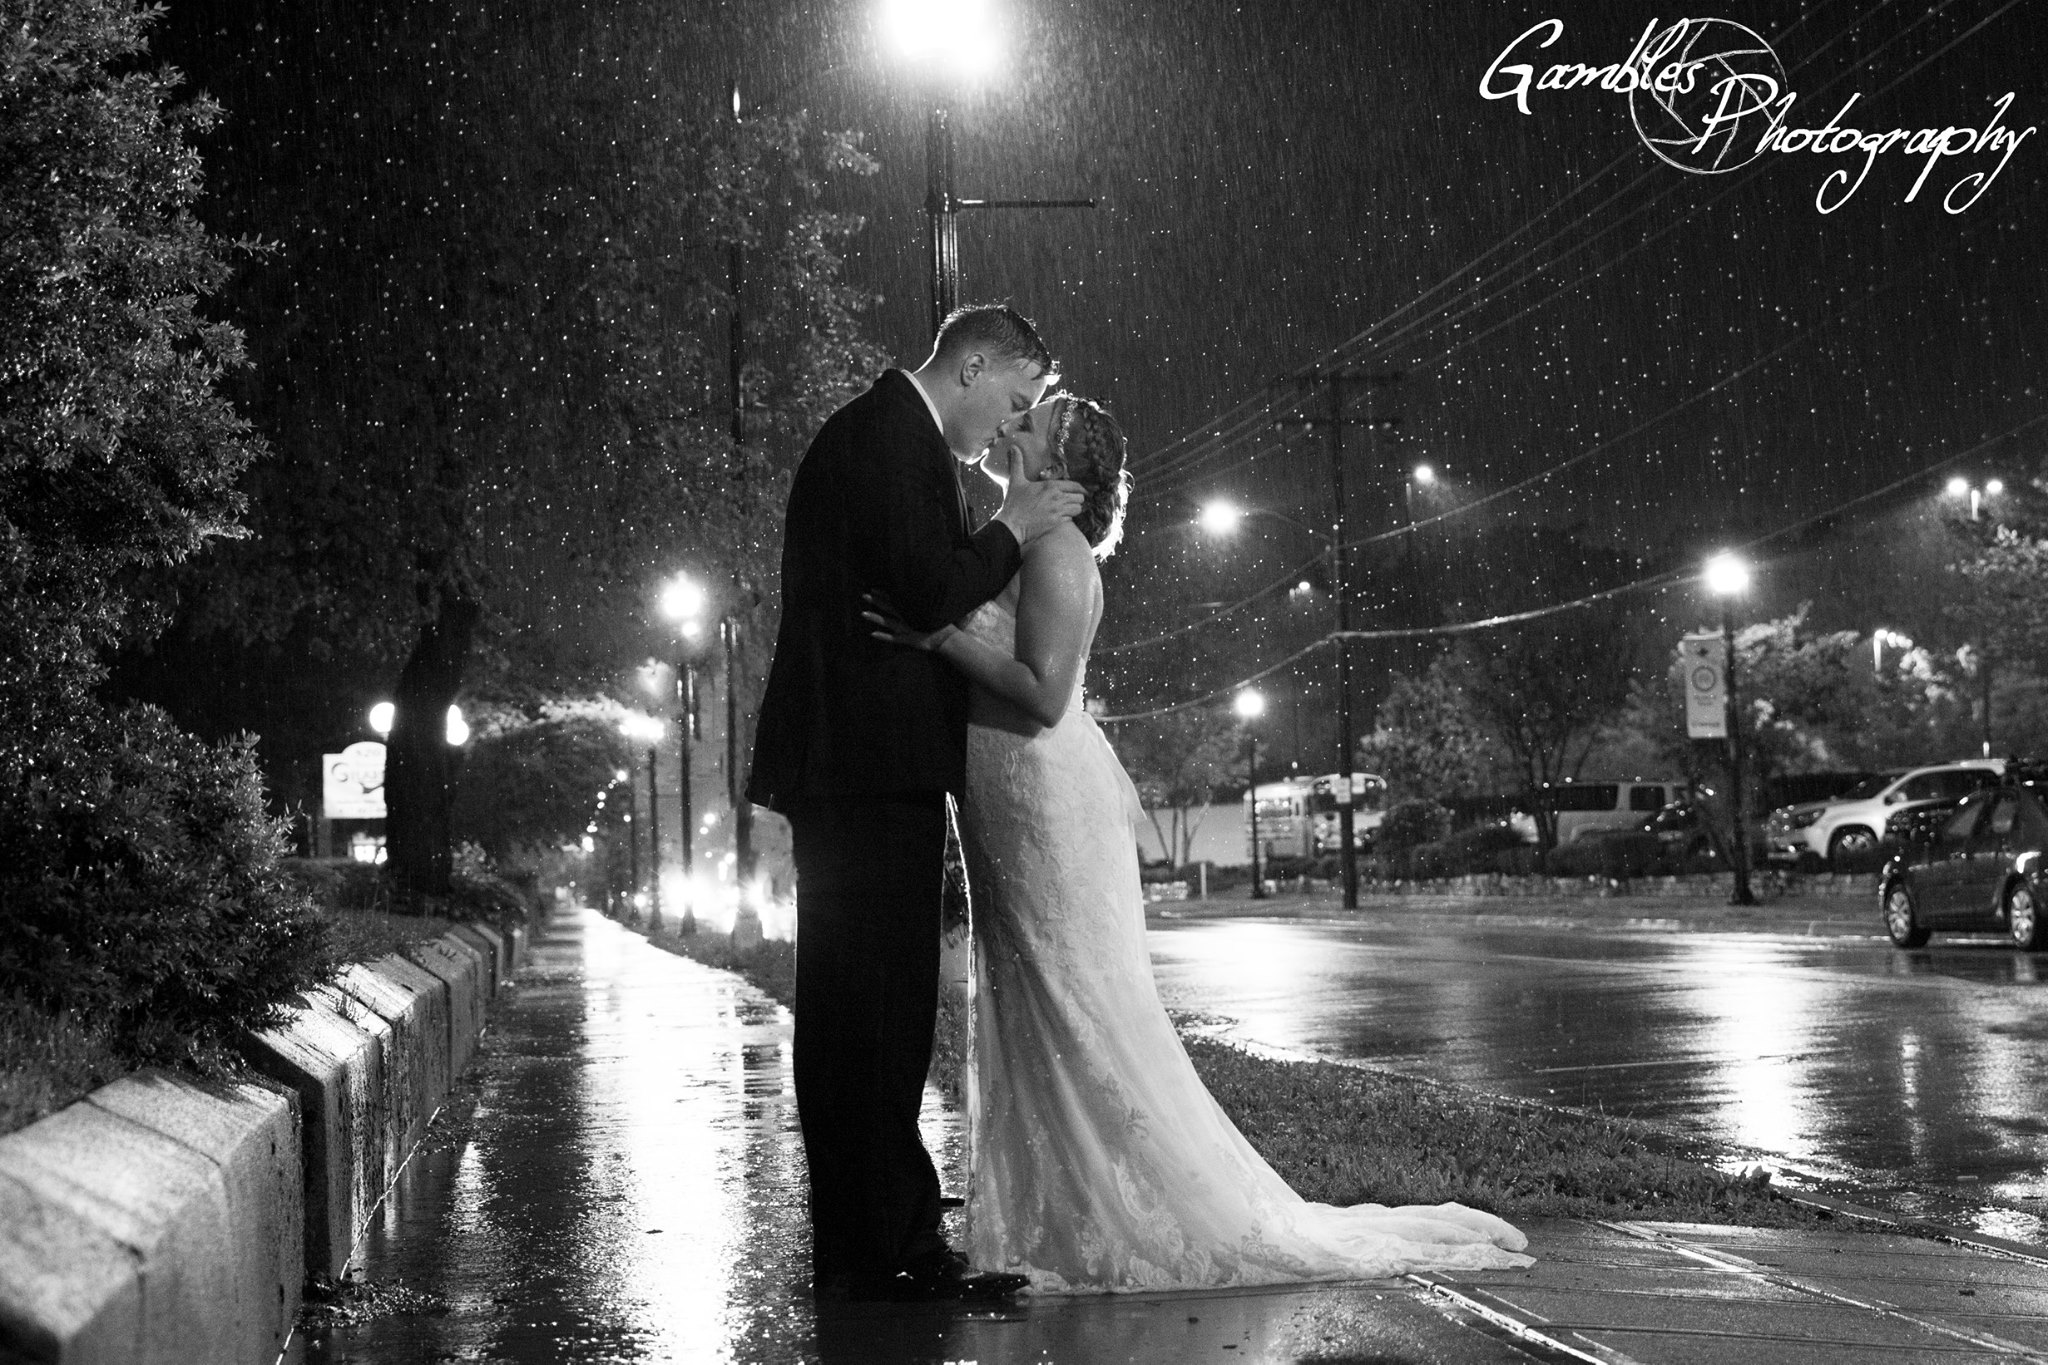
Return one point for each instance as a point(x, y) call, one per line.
point(1727, 578)
point(1978, 494)
point(949, 42)
point(1250, 704)
point(682, 601)
point(648, 730)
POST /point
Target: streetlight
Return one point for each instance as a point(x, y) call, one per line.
point(683, 601)
point(1960, 488)
point(1250, 704)
point(1219, 516)
point(1881, 637)
point(649, 730)
point(381, 717)
point(950, 42)
point(1727, 578)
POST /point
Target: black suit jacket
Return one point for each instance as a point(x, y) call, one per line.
point(876, 506)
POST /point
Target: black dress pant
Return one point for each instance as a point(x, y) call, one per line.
point(870, 878)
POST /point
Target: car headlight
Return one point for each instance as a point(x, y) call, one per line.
point(1802, 819)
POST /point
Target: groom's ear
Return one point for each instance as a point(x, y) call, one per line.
point(971, 367)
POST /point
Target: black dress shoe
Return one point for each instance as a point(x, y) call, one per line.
point(987, 1287)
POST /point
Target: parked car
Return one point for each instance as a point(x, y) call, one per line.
point(1581, 807)
point(1980, 871)
point(1795, 789)
point(1918, 823)
point(1680, 828)
point(1846, 830)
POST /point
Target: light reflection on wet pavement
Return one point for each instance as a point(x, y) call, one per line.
point(621, 1180)
point(1921, 1073)
point(580, 1213)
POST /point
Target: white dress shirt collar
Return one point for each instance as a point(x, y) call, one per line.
point(930, 406)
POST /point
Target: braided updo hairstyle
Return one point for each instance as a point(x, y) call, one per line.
point(1088, 447)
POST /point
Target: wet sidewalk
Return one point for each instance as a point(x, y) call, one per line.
point(623, 1182)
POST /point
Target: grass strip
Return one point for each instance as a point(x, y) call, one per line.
point(1346, 1135)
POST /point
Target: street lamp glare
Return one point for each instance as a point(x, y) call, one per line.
point(1220, 517)
point(458, 728)
point(381, 717)
point(1727, 575)
point(958, 36)
point(1958, 487)
point(1994, 487)
point(1250, 703)
point(1425, 475)
point(683, 600)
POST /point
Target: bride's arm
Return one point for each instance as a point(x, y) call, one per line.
point(1055, 614)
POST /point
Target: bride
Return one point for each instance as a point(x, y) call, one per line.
point(1101, 1163)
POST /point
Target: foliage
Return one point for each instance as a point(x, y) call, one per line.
point(1411, 823)
point(139, 884)
point(143, 887)
point(48, 1059)
point(499, 345)
point(531, 774)
point(1178, 761)
point(1344, 1135)
point(1428, 744)
point(1810, 701)
point(769, 964)
point(1544, 688)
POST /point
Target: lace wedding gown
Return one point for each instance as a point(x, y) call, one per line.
point(1100, 1162)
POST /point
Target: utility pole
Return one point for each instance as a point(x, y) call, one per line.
point(1337, 381)
point(942, 211)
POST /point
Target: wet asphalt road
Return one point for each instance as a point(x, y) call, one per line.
point(1922, 1074)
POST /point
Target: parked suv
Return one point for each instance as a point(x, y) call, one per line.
point(1846, 830)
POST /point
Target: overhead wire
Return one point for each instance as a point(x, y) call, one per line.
point(1664, 579)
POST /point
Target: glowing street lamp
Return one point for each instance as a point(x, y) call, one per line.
point(1727, 577)
point(381, 717)
point(1960, 488)
point(1221, 517)
point(949, 42)
point(1250, 704)
point(648, 730)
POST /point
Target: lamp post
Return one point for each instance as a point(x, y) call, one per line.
point(1220, 516)
point(682, 601)
point(648, 730)
point(1977, 493)
point(1250, 704)
point(949, 41)
point(1727, 578)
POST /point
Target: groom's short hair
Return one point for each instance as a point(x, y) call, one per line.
point(997, 330)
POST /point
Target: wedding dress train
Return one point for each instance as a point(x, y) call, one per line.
point(1100, 1161)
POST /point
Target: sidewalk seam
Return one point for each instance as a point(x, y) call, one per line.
point(1523, 1331)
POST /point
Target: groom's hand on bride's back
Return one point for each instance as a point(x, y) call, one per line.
point(1031, 507)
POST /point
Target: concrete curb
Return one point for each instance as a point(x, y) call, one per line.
point(164, 1219)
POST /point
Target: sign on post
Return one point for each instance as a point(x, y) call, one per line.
point(1703, 659)
point(352, 783)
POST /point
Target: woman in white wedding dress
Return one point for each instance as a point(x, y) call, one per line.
point(1101, 1163)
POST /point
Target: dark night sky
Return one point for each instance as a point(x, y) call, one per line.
point(1280, 179)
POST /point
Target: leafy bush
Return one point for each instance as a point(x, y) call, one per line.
point(140, 884)
point(1410, 824)
point(1623, 855)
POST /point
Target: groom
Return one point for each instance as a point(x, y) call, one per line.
point(859, 744)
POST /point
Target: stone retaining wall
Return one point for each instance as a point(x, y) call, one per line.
point(163, 1219)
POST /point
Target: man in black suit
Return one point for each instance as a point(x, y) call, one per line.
point(859, 744)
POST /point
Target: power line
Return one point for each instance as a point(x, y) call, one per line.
point(1667, 578)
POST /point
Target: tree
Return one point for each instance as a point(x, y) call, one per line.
point(1177, 761)
point(498, 362)
point(1544, 688)
point(529, 777)
point(1427, 743)
point(138, 874)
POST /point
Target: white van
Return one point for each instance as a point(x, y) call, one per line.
point(1582, 806)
